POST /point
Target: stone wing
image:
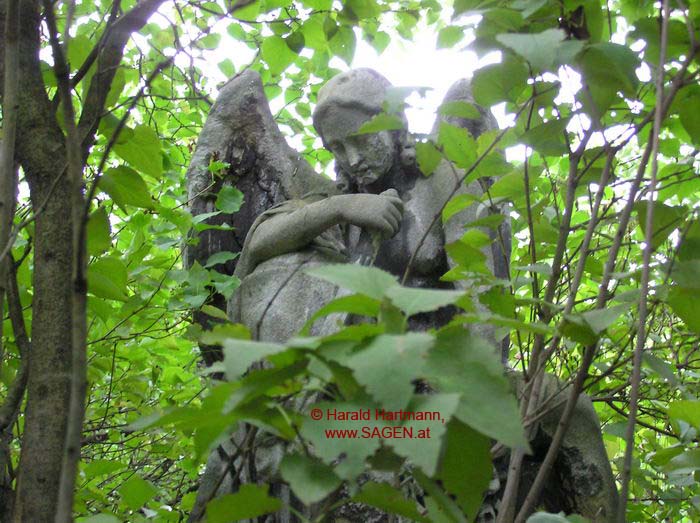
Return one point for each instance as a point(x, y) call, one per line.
point(461, 91)
point(498, 255)
point(241, 131)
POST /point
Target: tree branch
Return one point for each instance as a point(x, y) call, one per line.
point(109, 57)
point(78, 368)
point(8, 168)
point(601, 300)
point(644, 284)
point(9, 408)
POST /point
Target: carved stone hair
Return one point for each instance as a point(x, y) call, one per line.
point(362, 90)
point(359, 89)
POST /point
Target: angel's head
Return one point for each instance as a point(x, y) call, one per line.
point(346, 102)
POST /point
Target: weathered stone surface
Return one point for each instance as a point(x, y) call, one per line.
point(241, 131)
point(278, 298)
point(385, 195)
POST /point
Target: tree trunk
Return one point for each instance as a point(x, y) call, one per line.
point(41, 151)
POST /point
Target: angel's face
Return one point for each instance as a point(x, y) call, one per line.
point(365, 157)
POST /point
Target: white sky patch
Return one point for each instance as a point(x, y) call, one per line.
point(404, 63)
point(420, 64)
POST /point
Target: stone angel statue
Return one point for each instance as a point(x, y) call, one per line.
point(382, 195)
point(381, 210)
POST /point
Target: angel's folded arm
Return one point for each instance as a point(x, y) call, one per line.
point(287, 232)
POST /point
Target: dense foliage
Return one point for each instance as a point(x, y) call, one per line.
point(603, 275)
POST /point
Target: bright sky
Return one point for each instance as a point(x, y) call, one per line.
point(419, 63)
point(416, 63)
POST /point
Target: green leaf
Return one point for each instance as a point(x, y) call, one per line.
point(220, 257)
point(222, 332)
point(314, 36)
point(353, 304)
point(607, 68)
point(459, 109)
point(389, 365)
point(424, 445)
point(528, 7)
point(465, 6)
point(227, 67)
point(428, 157)
point(136, 492)
point(321, 5)
point(277, 54)
point(388, 499)
point(684, 463)
point(100, 467)
point(142, 151)
point(347, 455)
point(510, 186)
point(548, 139)
point(126, 187)
point(665, 219)
point(343, 44)
point(686, 410)
point(662, 456)
point(462, 363)
point(458, 145)
point(467, 257)
point(662, 368)
point(249, 502)
point(457, 204)
point(476, 238)
point(464, 445)
point(330, 27)
point(576, 328)
point(415, 300)
point(600, 319)
point(689, 248)
point(649, 30)
point(98, 235)
point(257, 383)
point(78, 50)
point(449, 36)
point(379, 41)
point(381, 122)
point(214, 312)
point(229, 199)
point(499, 82)
point(362, 9)
point(295, 41)
point(446, 508)
point(210, 41)
point(115, 90)
point(369, 281)
point(99, 518)
point(499, 301)
point(107, 278)
point(690, 102)
point(539, 49)
point(310, 479)
point(240, 354)
point(250, 10)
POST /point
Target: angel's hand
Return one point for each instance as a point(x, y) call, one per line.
point(375, 212)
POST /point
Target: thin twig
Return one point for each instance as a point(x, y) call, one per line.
point(9, 409)
point(78, 374)
point(8, 170)
point(644, 284)
point(454, 191)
